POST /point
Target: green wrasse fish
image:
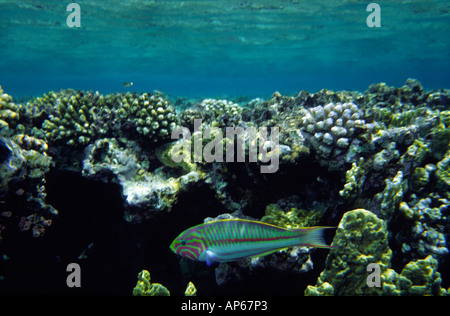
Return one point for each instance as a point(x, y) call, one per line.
point(235, 239)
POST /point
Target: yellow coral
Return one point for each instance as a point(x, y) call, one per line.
point(295, 218)
point(190, 290)
point(361, 239)
point(145, 288)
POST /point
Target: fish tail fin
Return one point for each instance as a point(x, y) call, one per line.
point(314, 237)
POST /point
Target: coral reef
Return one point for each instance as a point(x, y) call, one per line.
point(426, 217)
point(392, 195)
point(221, 113)
point(361, 240)
point(23, 166)
point(443, 174)
point(336, 132)
point(292, 219)
point(144, 192)
point(152, 115)
point(420, 278)
point(386, 150)
point(190, 290)
point(355, 177)
point(146, 288)
point(75, 117)
point(79, 118)
point(399, 178)
point(409, 96)
point(9, 113)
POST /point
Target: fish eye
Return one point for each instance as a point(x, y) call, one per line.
point(183, 242)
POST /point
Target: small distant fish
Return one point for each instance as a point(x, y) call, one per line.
point(235, 239)
point(128, 84)
point(84, 254)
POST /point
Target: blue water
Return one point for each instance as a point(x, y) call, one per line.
point(221, 48)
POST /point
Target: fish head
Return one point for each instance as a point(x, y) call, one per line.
point(189, 244)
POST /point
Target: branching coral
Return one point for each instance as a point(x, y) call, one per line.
point(74, 117)
point(152, 115)
point(79, 118)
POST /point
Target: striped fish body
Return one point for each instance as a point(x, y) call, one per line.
point(230, 240)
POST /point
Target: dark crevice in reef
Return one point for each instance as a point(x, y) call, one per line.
point(258, 190)
point(89, 231)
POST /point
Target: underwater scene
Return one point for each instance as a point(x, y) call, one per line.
point(225, 148)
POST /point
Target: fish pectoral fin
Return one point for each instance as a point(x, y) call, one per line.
point(210, 258)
